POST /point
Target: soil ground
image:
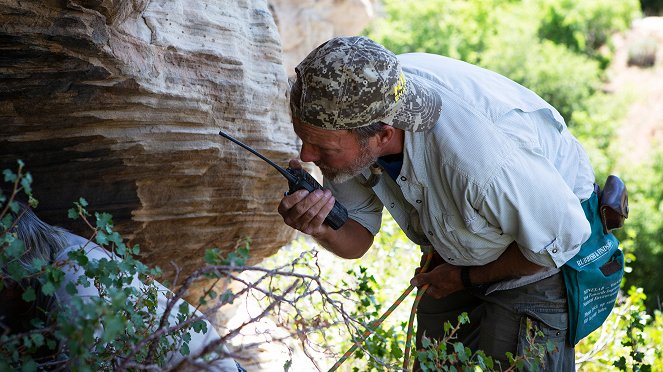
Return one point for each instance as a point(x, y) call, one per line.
point(641, 132)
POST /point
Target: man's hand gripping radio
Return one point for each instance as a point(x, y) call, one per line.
point(300, 179)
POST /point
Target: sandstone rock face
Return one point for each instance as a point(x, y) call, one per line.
point(305, 24)
point(120, 102)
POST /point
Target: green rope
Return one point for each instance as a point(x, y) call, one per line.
point(410, 327)
point(374, 324)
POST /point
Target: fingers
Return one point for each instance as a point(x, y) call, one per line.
point(306, 211)
point(311, 218)
point(439, 280)
point(423, 282)
point(326, 204)
point(290, 200)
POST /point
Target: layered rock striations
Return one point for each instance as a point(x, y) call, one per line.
point(305, 24)
point(120, 102)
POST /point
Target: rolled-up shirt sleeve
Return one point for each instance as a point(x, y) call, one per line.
point(362, 204)
point(529, 200)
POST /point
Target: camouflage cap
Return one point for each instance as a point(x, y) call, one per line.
point(352, 82)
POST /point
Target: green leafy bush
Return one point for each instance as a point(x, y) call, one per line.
point(123, 328)
point(595, 126)
point(586, 26)
point(567, 84)
point(627, 341)
point(358, 293)
point(499, 35)
point(641, 236)
point(366, 287)
point(458, 29)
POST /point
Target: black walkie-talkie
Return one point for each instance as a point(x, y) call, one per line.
point(300, 179)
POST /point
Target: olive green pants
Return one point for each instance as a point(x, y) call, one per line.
point(504, 321)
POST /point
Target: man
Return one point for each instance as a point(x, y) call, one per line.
point(52, 244)
point(474, 165)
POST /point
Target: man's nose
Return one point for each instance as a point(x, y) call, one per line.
point(308, 154)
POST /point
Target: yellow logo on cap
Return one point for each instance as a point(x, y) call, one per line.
point(399, 89)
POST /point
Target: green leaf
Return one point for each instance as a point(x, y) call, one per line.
point(459, 348)
point(104, 221)
point(26, 181)
point(425, 342)
point(227, 297)
point(37, 339)
point(116, 238)
point(29, 295)
point(184, 308)
point(27, 342)
point(79, 257)
point(72, 213)
point(71, 289)
point(16, 271)
point(14, 206)
point(101, 238)
point(37, 264)
point(184, 350)
point(212, 256)
point(199, 326)
point(15, 249)
point(9, 175)
point(32, 201)
point(510, 357)
point(29, 366)
point(82, 202)
point(621, 364)
point(6, 223)
point(48, 288)
point(113, 326)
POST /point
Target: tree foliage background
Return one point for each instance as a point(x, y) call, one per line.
point(560, 49)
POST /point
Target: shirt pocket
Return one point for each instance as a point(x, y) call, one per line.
point(480, 227)
point(449, 233)
point(477, 242)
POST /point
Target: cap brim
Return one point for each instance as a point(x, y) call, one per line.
point(420, 106)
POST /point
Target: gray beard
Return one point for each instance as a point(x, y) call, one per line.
point(363, 161)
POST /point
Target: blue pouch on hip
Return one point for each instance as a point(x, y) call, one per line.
point(592, 277)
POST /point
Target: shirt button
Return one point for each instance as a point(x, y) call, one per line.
point(451, 259)
point(430, 233)
point(403, 178)
point(392, 205)
point(418, 201)
point(554, 250)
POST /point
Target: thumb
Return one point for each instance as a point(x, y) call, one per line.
point(294, 163)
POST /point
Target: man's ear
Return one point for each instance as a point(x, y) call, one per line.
point(386, 135)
